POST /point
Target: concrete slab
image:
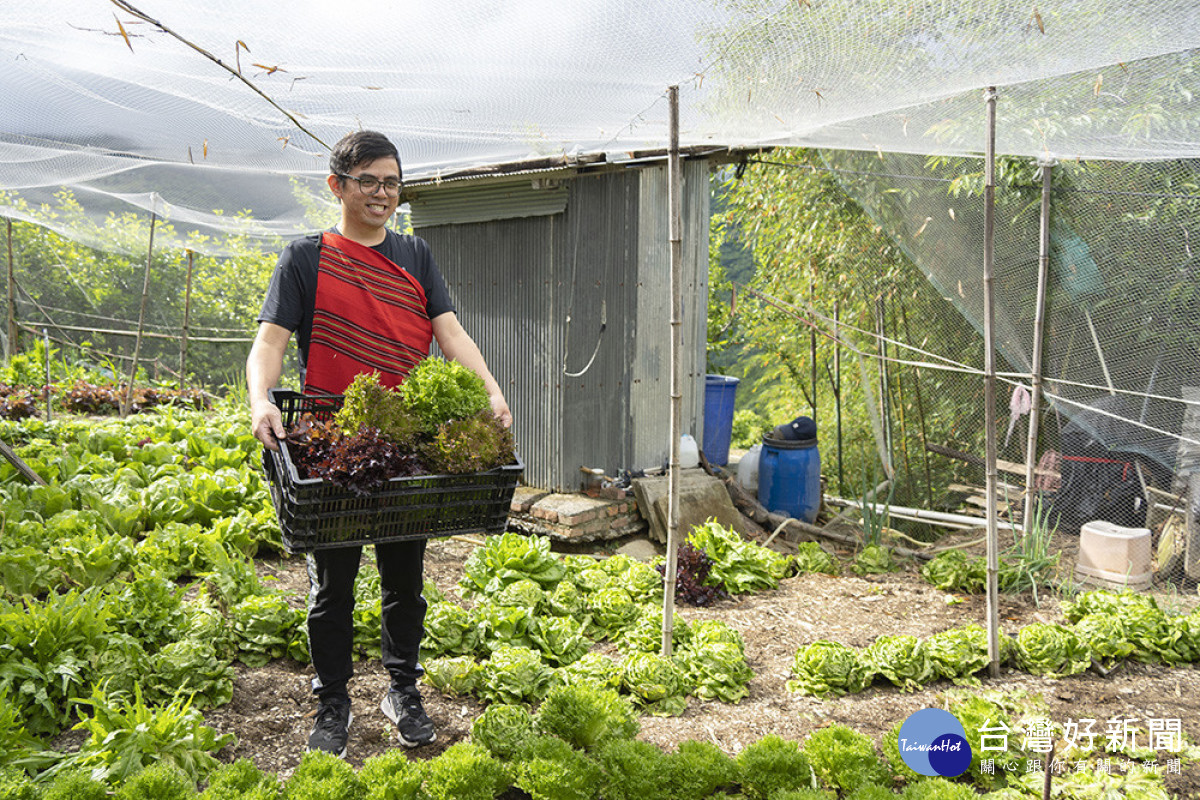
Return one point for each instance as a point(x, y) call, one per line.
point(701, 497)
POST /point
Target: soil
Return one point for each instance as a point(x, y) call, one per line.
point(270, 713)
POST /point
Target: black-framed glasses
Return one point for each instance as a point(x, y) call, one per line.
point(369, 184)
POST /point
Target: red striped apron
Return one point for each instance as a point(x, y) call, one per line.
point(370, 316)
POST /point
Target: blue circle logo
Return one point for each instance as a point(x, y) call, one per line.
point(933, 742)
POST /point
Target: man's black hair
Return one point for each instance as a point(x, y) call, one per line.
point(361, 147)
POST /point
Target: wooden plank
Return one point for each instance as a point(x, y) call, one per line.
point(18, 462)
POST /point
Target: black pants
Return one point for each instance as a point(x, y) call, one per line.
point(331, 576)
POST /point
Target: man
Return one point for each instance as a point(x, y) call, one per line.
point(360, 298)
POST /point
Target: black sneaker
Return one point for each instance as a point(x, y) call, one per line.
point(331, 730)
point(413, 726)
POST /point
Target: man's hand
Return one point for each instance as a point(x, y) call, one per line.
point(500, 409)
point(266, 423)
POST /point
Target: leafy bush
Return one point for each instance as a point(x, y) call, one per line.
point(125, 737)
point(903, 660)
point(773, 764)
point(75, 784)
point(474, 444)
point(632, 770)
point(266, 627)
point(15, 784)
point(717, 670)
point(586, 716)
point(465, 771)
point(955, 571)
point(938, 789)
point(241, 780)
point(738, 565)
point(845, 759)
point(437, 391)
point(987, 715)
point(508, 558)
point(515, 675)
point(391, 776)
point(658, 684)
point(811, 557)
point(699, 769)
point(190, 667)
point(561, 640)
point(323, 776)
point(456, 676)
point(161, 781)
point(1052, 650)
point(957, 654)
point(550, 769)
point(826, 668)
point(448, 631)
point(369, 404)
point(503, 728)
point(873, 559)
point(1105, 638)
point(594, 668)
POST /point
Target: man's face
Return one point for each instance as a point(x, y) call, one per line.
point(360, 208)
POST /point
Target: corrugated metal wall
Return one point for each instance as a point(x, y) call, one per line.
point(572, 309)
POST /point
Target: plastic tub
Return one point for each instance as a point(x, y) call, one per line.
point(1113, 556)
point(789, 477)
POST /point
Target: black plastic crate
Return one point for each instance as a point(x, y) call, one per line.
point(316, 514)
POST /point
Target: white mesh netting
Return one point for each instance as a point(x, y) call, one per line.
point(129, 115)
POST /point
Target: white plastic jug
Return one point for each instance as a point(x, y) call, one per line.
point(689, 452)
point(747, 471)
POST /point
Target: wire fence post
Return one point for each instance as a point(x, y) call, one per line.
point(1039, 323)
point(127, 401)
point(989, 386)
point(187, 318)
point(11, 344)
point(46, 346)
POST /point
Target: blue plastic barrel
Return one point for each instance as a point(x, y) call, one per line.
point(789, 477)
point(719, 391)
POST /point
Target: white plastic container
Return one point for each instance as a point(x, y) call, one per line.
point(747, 471)
point(1114, 557)
point(689, 452)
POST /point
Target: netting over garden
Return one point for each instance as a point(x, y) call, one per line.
point(229, 107)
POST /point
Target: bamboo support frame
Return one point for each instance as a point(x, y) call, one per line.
point(187, 320)
point(127, 401)
point(12, 296)
point(675, 238)
point(989, 384)
point(1039, 324)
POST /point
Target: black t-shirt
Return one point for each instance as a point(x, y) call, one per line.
point(292, 293)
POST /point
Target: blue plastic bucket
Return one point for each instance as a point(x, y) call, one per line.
point(789, 478)
point(719, 391)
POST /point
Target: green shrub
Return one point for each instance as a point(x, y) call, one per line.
point(465, 771)
point(161, 781)
point(502, 728)
point(587, 716)
point(871, 793)
point(391, 776)
point(632, 770)
point(550, 769)
point(698, 769)
point(241, 780)
point(323, 776)
point(772, 764)
point(75, 784)
point(801, 794)
point(438, 390)
point(939, 789)
point(845, 759)
point(15, 784)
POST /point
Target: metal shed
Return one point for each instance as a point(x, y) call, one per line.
point(562, 276)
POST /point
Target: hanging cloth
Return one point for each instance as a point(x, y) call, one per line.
point(369, 316)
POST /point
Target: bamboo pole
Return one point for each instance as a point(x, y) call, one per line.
point(920, 411)
point(989, 386)
point(675, 237)
point(12, 296)
point(127, 401)
point(837, 390)
point(187, 321)
point(812, 347)
point(1039, 323)
point(46, 347)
